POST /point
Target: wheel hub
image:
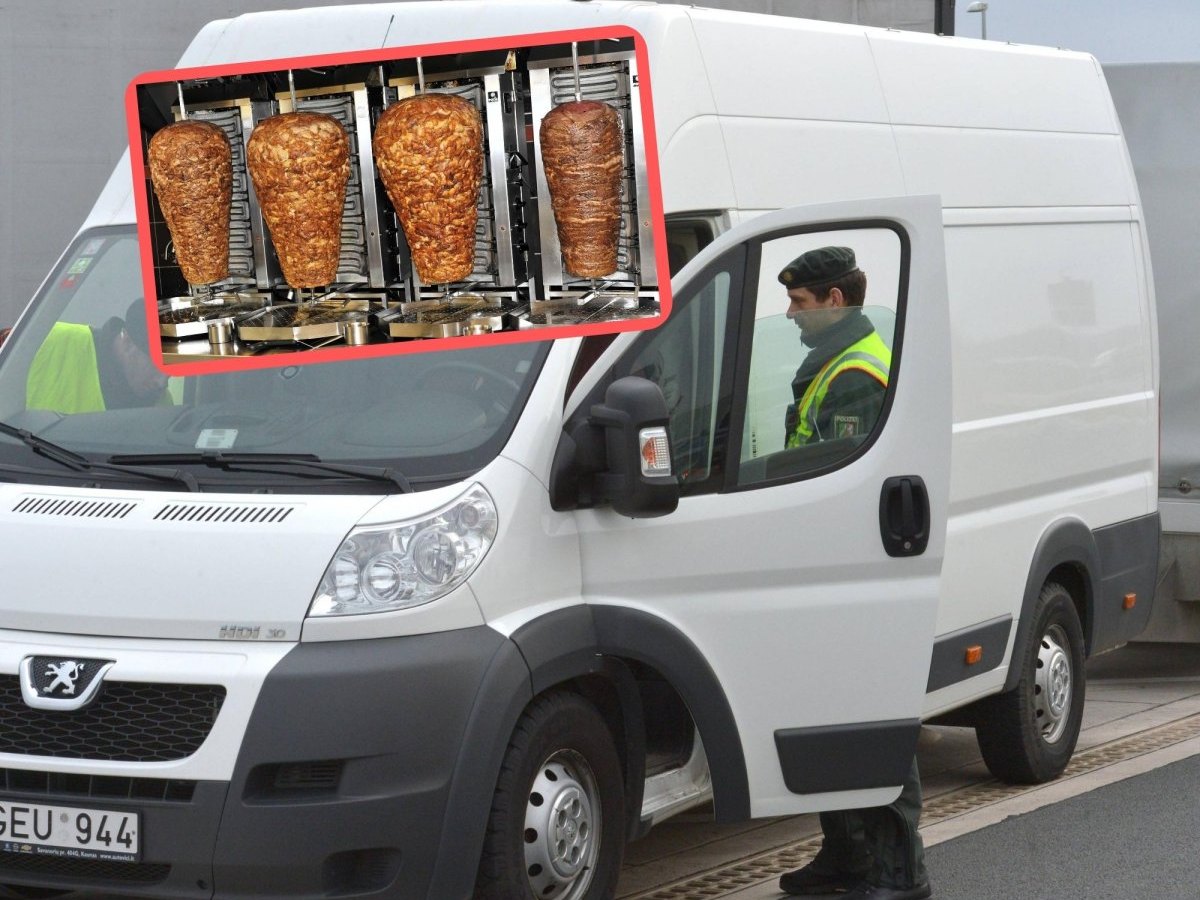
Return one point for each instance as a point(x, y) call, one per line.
point(562, 827)
point(1052, 693)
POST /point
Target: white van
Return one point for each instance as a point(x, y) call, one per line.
point(434, 624)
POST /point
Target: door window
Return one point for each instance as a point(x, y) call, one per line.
point(823, 350)
point(685, 357)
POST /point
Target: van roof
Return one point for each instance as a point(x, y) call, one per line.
point(1064, 91)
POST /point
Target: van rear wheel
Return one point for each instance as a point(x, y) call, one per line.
point(557, 825)
point(1027, 735)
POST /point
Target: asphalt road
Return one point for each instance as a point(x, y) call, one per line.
point(1135, 838)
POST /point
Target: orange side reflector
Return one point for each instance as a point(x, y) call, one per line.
point(1130, 601)
point(973, 655)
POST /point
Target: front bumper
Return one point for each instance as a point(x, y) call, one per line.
point(342, 785)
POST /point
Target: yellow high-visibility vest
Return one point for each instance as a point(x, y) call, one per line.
point(869, 354)
point(64, 376)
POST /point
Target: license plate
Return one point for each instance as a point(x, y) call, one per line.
point(69, 832)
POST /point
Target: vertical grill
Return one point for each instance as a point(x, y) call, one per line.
point(492, 193)
point(352, 262)
point(611, 82)
point(485, 238)
point(241, 242)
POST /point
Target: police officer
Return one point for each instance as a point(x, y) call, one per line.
point(840, 386)
point(866, 854)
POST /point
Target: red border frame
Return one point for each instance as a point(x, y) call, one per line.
point(335, 354)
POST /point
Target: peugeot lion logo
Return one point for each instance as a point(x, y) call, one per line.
point(65, 673)
point(52, 682)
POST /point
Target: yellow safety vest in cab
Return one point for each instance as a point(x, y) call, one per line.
point(65, 376)
point(868, 354)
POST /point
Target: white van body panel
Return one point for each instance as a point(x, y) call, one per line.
point(1053, 329)
point(1006, 87)
point(159, 591)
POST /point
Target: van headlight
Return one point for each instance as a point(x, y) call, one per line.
point(386, 567)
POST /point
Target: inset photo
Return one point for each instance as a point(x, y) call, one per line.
point(355, 205)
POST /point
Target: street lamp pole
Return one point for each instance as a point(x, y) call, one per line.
point(982, 9)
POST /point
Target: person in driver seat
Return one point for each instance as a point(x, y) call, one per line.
point(80, 368)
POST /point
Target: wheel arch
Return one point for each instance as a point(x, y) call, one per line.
point(584, 643)
point(1066, 553)
point(643, 637)
point(561, 650)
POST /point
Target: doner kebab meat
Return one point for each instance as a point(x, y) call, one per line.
point(581, 153)
point(192, 172)
point(299, 163)
point(429, 152)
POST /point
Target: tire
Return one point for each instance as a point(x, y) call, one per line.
point(557, 825)
point(1027, 735)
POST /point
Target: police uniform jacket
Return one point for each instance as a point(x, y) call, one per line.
point(853, 400)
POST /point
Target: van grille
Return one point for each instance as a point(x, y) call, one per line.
point(90, 869)
point(128, 721)
point(72, 786)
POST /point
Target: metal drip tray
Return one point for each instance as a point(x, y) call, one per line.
point(301, 322)
point(597, 308)
point(465, 314)
point(179, 319)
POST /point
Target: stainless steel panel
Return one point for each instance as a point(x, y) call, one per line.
point(540, 104)
point(647, 261)
point(366, 161)
point(498, 172)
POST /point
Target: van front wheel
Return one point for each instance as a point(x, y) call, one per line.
point(1027, 735)
point(557, 824)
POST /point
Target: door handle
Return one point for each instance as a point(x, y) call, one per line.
point(904, 516)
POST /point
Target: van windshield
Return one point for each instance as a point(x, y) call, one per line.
point(81, 403)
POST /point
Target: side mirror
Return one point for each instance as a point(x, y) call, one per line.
point(620, 455)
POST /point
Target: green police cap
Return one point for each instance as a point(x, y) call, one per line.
point(818, 266)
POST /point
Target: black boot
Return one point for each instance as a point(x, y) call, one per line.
point(812, 881)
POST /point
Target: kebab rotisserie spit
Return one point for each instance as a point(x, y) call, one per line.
point(299, 163)
point(191, 170)
point(581, 151)
point(429, 152)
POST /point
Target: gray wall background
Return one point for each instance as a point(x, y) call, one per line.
point(64, 67)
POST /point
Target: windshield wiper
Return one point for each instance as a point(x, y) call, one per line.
point(79, 463)
point(250, 462)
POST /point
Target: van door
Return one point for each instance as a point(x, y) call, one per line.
point(802, 564)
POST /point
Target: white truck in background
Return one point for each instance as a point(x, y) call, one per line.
point(1159, 108)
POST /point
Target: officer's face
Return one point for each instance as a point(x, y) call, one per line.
point(812, 314)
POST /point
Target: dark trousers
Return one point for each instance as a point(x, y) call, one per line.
point(881, 843)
